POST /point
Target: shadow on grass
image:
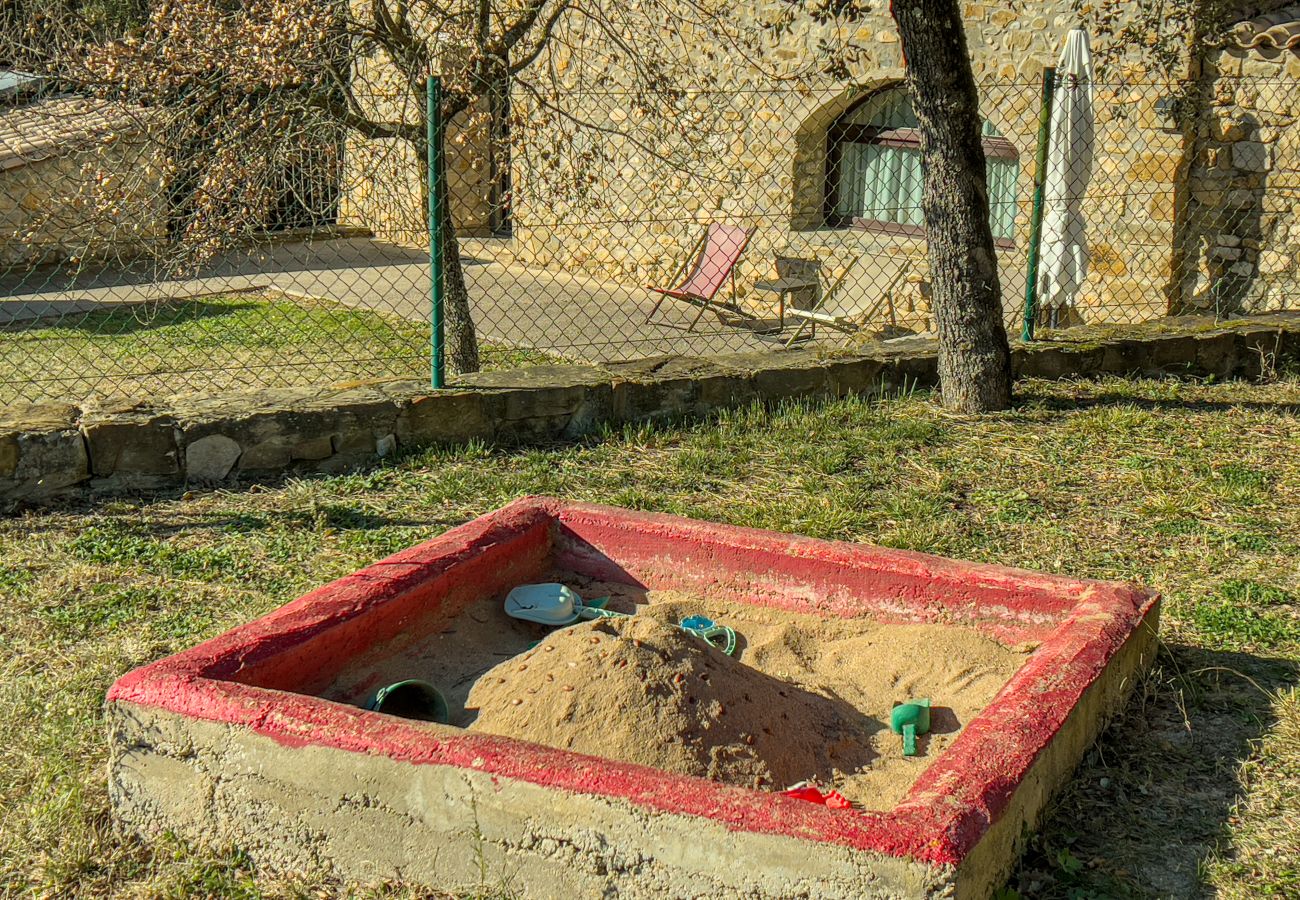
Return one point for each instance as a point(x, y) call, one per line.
point(1154, 404)
point(120, 319)
point(334, 516)
point(1150, 803)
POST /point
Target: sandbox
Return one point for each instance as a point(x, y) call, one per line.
point(257, 739)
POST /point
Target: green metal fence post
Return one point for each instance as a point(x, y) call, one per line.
point(433, 120)
point(1036, 219)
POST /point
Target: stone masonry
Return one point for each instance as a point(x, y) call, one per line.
point(1239, 238)
point(49, 450)
point(94, 194)
point(625, 195)
point(1188, 210)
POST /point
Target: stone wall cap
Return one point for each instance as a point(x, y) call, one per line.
point(192, 408)
point(29, 417)
point(117, 410)
point(550, 376)
point(759, 360)
point(667, 366)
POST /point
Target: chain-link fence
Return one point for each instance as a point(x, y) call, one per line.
point(139, 259)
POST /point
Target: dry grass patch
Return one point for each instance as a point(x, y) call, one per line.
point(1191, 488)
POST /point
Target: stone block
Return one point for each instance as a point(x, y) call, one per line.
point(1262, 63)
point(855, 375)
point(1044, 360)
point(1173, 354)
point(907, 363)
point(1259, 349)
point(42, 451)
point(1271, 262)
point(1290, 340)
point(1123, 357)
point(211, 458)
point(1216, 354)
point(725, 391)
point(272, 454)
point(312, 449)
point(546, 402)
point(447, 417)
point(1160, 168)
point(1229, 61)
point(353, 441)
point(782, 383)
point(661, 387)
point(278, 428)
point(131, 442)
point(1251, 156)
point(1230, 128)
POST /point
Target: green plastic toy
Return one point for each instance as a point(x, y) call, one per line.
point(411, 699)
point(910, 719)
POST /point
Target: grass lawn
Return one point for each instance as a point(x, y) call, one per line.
point(1191, 488)
point(215, 343)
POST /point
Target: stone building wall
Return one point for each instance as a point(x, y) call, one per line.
point(101, 202)
point(383, 179)
point(1239, 233)
point(750, 148)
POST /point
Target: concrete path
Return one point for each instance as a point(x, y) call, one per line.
point(580, 318)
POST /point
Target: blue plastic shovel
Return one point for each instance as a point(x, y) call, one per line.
point(556, 605)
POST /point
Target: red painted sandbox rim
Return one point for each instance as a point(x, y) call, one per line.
point(941, 819)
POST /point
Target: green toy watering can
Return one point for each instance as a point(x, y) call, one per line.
point(910, 719)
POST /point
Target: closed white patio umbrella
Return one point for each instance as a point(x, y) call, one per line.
point(1064, 245)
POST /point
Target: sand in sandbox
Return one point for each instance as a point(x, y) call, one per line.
point(641, 691)
point(808, 699)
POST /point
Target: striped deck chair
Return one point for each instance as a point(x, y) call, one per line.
point(711, 262)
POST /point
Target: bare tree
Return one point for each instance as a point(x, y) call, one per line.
point(33, 33)
point(241, 88)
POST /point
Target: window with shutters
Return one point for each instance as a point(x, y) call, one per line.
point(874, 170)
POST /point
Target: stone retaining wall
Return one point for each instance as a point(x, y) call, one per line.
point(48, 450)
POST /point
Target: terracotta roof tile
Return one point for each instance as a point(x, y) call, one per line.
point(48, 128)
point(1278, 30)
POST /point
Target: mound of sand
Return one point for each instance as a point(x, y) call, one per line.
point(644, 692)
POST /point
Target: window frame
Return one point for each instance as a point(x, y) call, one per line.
point(841, 133)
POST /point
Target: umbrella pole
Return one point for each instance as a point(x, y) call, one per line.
point(1036, 217)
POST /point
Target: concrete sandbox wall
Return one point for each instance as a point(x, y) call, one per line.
point(221, 745)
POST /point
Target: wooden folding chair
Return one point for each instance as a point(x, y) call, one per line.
point(712, 261)
point(809, 306)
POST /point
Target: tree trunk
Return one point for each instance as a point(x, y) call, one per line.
point(974, 357)
point(461, 340)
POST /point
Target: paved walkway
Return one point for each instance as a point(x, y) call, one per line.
point(513, 306)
